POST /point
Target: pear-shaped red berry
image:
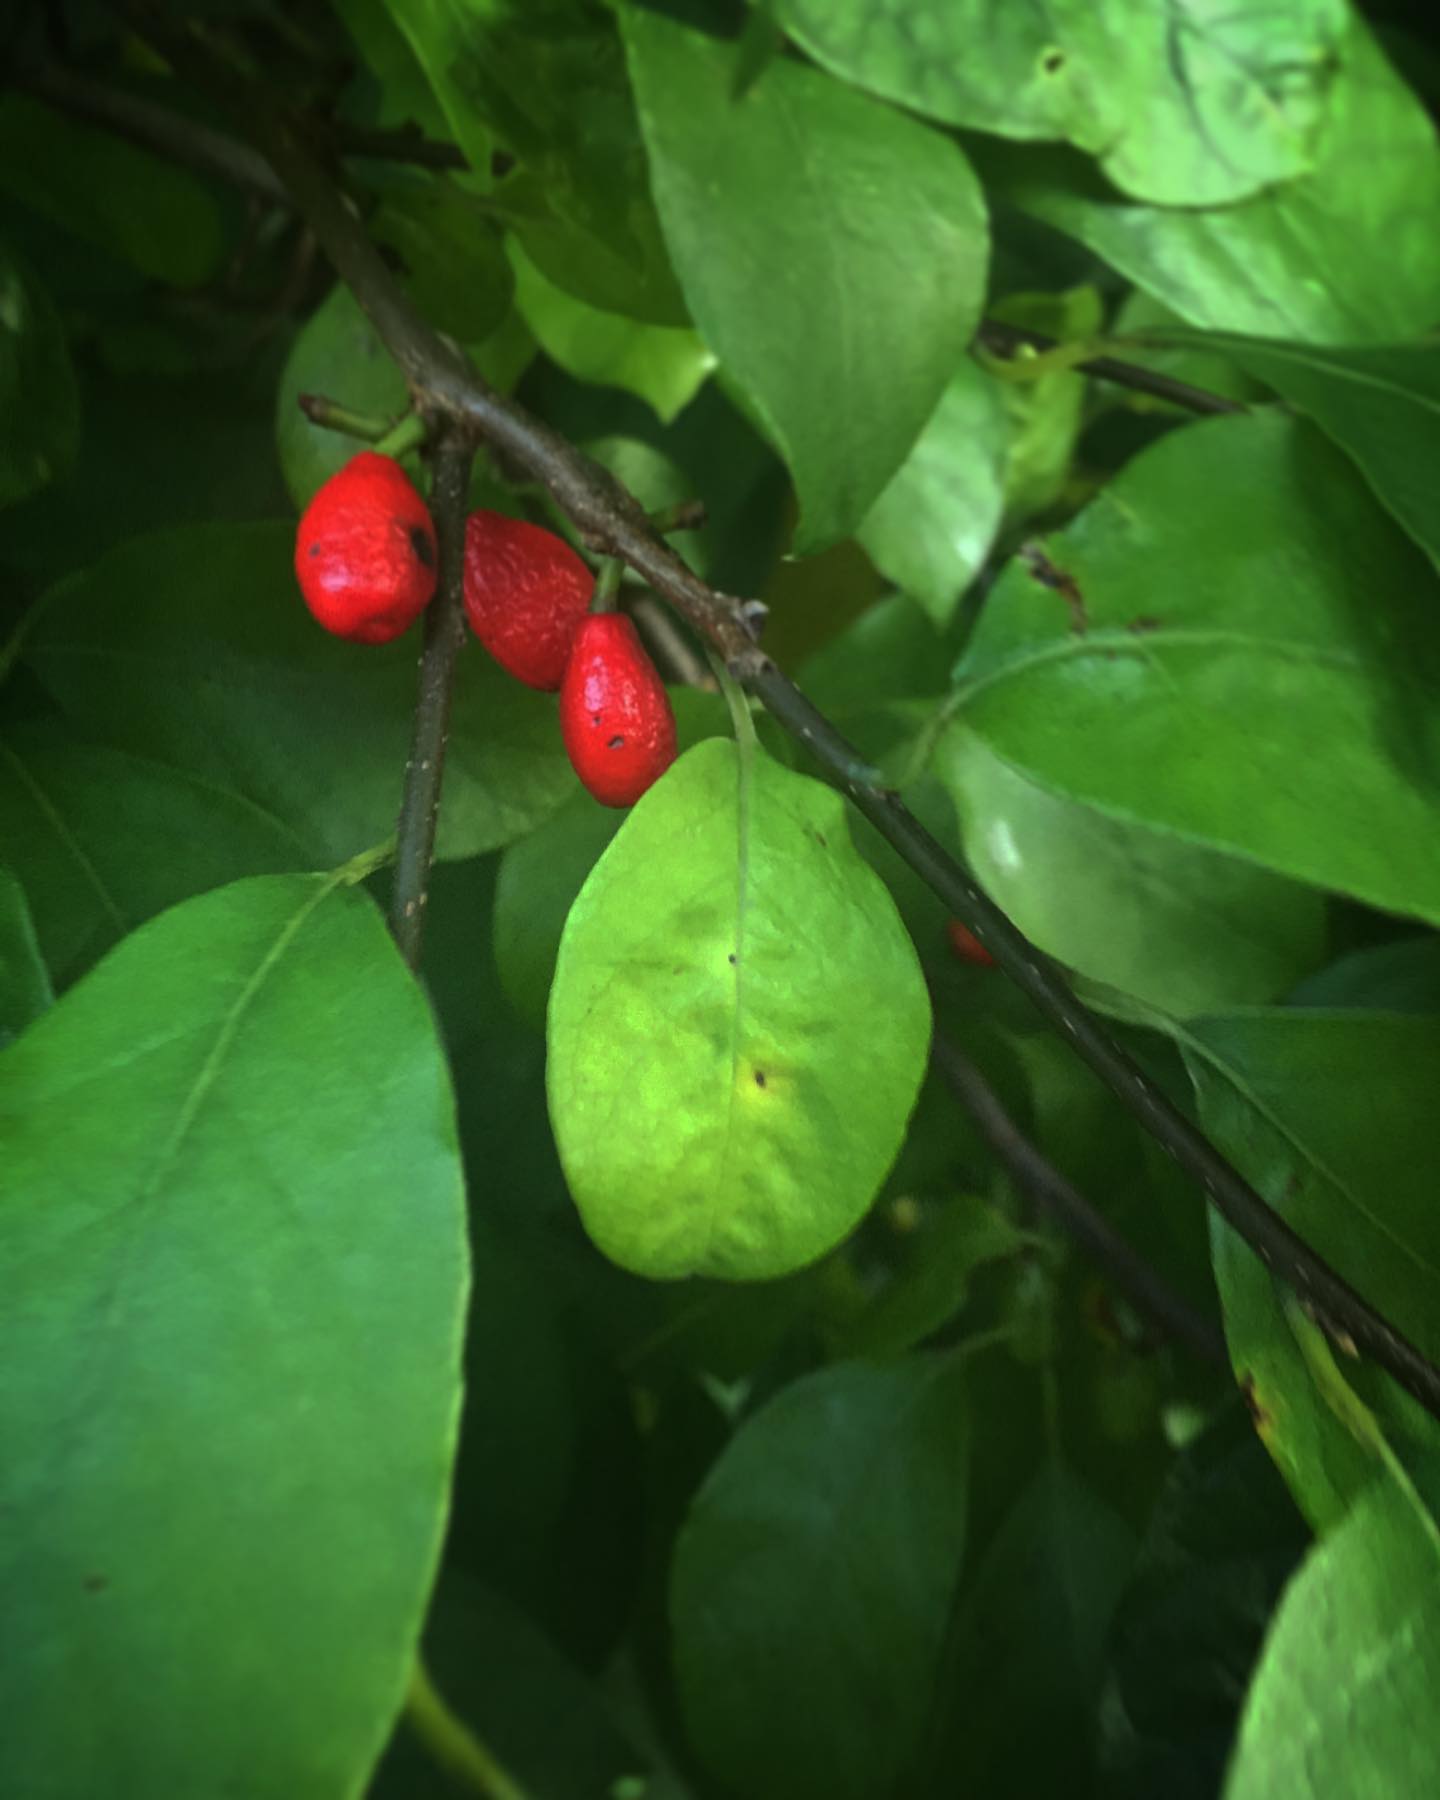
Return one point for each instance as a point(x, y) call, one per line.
point(615, 715)
point(365, 551)
point(526, 592)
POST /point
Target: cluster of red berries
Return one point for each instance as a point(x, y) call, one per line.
point(365, 559)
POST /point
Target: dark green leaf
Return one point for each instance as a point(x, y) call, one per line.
point(336, 354)
point(195, 648)
point(232, 1231)
point(39, 403)
point(812, 1578)
point(167, 225)
point(1326, 1113)
point(1342, 1703)
point(1030, 1633)
point(546, 79)
point(1381, 405)
point(933, 1281)
point(1223, 1541)
point(1190, 109)
point(735, 988)
point(1180, 927)
point(807, 214)
point(452, 255)
point(25, 990)
point(1403, 977)
point(1236, 572)
point(1367, 215)
point(545, 1722)
point(104, 840)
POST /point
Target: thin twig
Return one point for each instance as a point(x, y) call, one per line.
point(668, 644)
point(158, 128)
point(1089, 1227)
point(1006, 340)
point(444, 635)
point(612, 522)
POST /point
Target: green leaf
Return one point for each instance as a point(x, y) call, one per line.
point(39, 402)
point(807, 214)
point(337, 354)
point(168, 226)
point(1342, 1703)
point(451, 252)
point(540, 876)
point(1195, 109)
point(1324, 1112)
point(104, 840)
point(1182, 928)
point(25, 989)
point(1233, 574)
point(811, 1581)
point(933, 1281)
point(406, 99)
point(1402, 977)
point(1029, 1641)
point(1224, 1538)
point(932, 527)
point(193, 647)
point(1381, 406)
point(664, 366)
point(727, 1085)
point(1367, 214)
point(232, 1232)
point(546, 78)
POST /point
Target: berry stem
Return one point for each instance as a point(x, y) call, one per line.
point(444, 635)
point(607, 585)
point(408, 435)
point(331, 415)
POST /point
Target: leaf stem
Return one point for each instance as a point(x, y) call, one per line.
point(452, 1744)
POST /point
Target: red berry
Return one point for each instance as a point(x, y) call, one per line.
point(526, 592)
point(967, 946)
point(615, 715)
point(365, 551)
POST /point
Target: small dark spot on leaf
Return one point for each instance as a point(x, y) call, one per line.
point(732, 957)
point(1053, 61)
point(1146, 622)
point(759, 1078)
point(822, 840)
point(1258, 1414)
point(95, 1584)
point(615, 743)
point(1034, 558)
point(421, 545)
point(501, 163)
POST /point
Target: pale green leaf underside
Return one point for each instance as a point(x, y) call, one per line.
point(738, 1026)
